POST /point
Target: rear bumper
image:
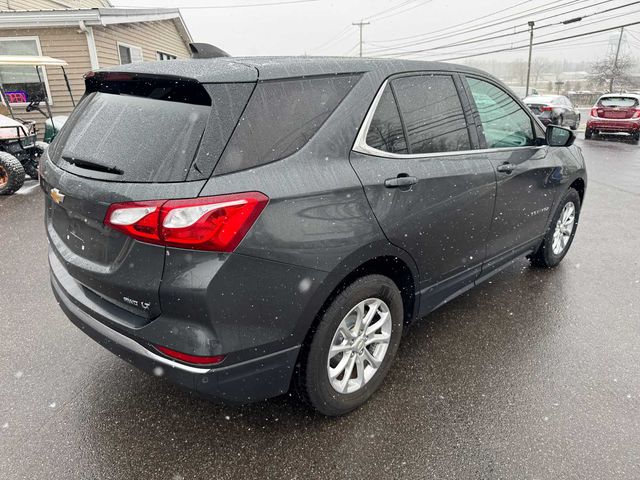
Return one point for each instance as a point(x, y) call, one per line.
point(631, 125)
point(244, 382)
point(545, 118)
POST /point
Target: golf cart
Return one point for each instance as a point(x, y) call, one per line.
point(20, 151)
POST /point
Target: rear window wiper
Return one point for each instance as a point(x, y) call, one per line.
point(87, 165)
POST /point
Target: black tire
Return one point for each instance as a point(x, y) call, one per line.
point(636, 138)
point(31, 166)
point(544, 256)
point(11, 174)
point(588, 134)
point(576, 123)
point(313, 378)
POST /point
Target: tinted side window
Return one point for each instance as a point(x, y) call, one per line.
point(432, 114)
point(280, 119)
point(504, 123)
point(385, 132)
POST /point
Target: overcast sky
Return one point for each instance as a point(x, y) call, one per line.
point(323, 27)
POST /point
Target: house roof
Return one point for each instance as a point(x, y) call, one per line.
point(90, 17)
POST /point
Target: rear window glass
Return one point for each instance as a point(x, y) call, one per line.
point(280, 119)
point(618, 102)
point(132, 138)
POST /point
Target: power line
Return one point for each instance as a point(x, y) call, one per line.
point(550, 6)
point(545, 42)
point(339, 36)
point(410, 7)
point(458, 24)
point(351, 50)
point(390, 9)
point(464, 52)
point(481, 38)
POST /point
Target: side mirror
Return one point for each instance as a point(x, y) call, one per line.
point(559, 136)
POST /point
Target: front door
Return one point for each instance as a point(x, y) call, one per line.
point(527, 175)
point(432, 194)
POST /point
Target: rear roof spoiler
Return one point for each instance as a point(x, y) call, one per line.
point(205, 50)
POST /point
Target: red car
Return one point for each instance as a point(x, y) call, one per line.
point(615, 113)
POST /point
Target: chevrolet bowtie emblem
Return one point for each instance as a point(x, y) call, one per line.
point(56, 196)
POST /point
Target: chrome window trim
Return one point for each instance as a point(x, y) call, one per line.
point(361, 146)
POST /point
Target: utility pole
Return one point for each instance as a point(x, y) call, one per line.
point(615, 61)
point(531, 24)
point(360, 24)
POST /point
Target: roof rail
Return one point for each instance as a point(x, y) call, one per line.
point(205, 50)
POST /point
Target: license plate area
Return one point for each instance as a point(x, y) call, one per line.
point(73, 239)
point(615, 114)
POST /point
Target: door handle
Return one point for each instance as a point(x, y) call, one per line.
point(400, 181)
point(506, 167)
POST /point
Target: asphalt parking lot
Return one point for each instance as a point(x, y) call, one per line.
point(533, 375)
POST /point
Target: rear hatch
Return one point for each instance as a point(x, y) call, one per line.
point(132, 138)
point(617, 107)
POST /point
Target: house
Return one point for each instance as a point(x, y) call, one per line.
point(87, 34)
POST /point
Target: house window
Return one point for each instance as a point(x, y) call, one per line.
point(166, 56)
point(129, 53)
point(21, 83)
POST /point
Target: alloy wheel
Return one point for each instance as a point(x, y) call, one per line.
point(359, 346)
point(564, 228)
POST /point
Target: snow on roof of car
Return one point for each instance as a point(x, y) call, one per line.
point(249, 69)
point(621, 95)
point(542, 98)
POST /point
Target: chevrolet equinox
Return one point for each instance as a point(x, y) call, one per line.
point(244, 225)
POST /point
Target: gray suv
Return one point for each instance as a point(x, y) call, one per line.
point(242, 226)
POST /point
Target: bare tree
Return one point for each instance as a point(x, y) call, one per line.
point(518, 71)
point(607, 71)
point(538, 65)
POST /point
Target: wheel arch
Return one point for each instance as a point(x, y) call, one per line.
point(389, 261)
point(580, 186)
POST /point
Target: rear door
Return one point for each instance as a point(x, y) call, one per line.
point(431, 192)
point(527, 175)
point(126, 143)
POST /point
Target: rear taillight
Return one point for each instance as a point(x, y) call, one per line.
point(207, 223)
point(594, 112)
point(194, 359)
point(636, 113)
point(546, 108)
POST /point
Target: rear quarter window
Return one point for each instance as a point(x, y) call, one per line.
point(385, 132)
point(281, 117)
